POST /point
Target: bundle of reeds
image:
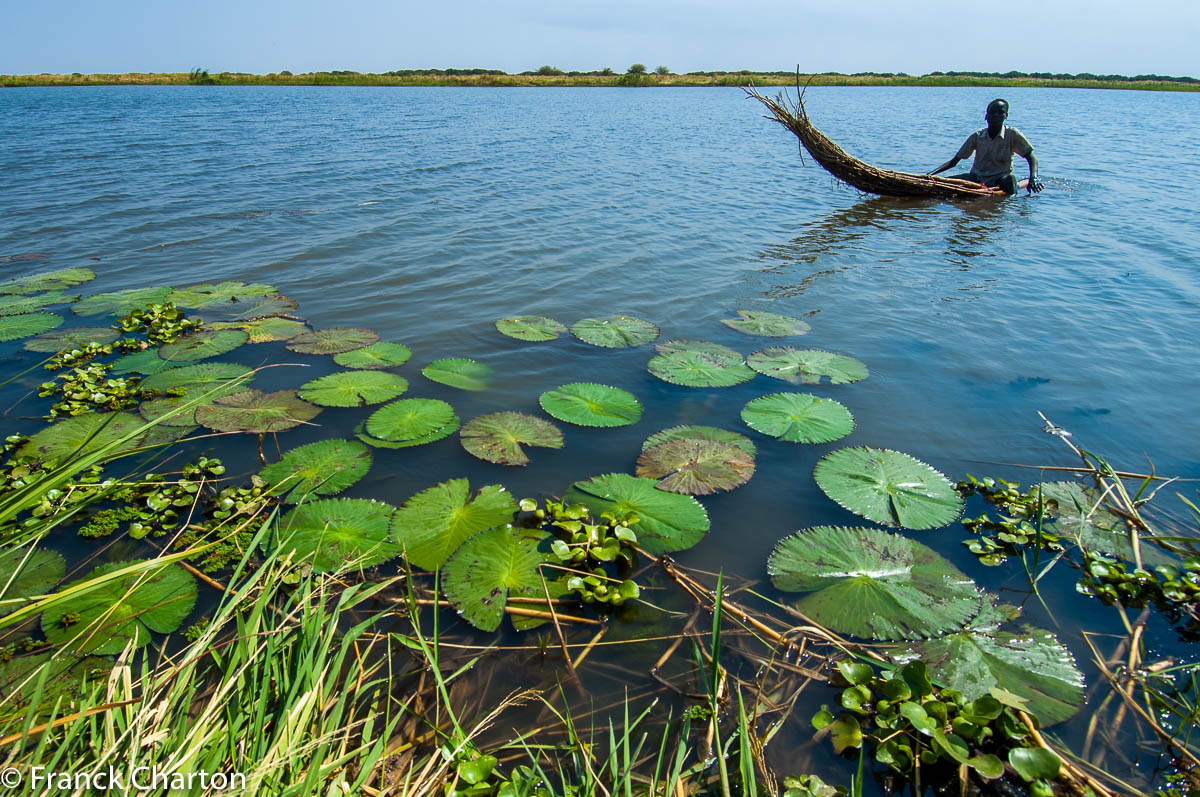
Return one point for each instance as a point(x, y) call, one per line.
point(851, 170)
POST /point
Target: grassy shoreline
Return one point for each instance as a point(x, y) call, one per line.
point(499, 79)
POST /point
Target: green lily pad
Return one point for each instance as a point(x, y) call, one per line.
point(127, 609)
point(334, 340)
point(377, 355)
point(64, 339)
point(353, 388)
point(203, 344)
point(616, 332)
point(120, 302)
point(268, 307)
point(432, 437)
point(700, 433)
point(1031, 664)
point(435, 522)
point(667, 522)
point(492, 566)
point(461, 373)
point(92, 431)
point(771, 325)
point(498, 437)
point(16, 305)
point(13, 327)
point(47, 281)
point(145, 361)
point(807, 365)
point(696, 467)
point(66, 680)
point(872, 583)
point(210, 294)
point(588, 404)
point(204, 381)
point(323, 468)
point(888, 487)
point(335, 532)
point(699, 364)
point(189, 376)
point(26, 575)
point(265, 330)
point(1035, 763)
point(530, 327)
point(1077, 517)
point(408, 420)
point(798, 418)
point(256, 412)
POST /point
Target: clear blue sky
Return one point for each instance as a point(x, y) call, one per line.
point(1102, 36)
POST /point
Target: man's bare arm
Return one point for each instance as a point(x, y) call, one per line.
point(1034, 185)
point(950, 164)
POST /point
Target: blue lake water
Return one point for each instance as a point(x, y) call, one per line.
point(429, 213)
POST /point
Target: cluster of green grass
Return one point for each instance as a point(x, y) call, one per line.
point(551, 76)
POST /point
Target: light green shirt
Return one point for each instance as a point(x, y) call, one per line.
point(993, 156)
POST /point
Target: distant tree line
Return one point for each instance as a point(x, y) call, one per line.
point(1066, 76)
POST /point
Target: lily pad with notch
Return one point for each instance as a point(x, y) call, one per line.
point(375, 356)
point(589, 404)
point(534, 328)
point(57, 280)
point(126, 609)
point(120, 302)
point(616, 332)
point(666, 522)
point(256, 412)
point(67, 339)
point(696, 467)
point(87, 433)
point(498, 437)
point(798, 418)
point(205, 382)
point(334, 532)
point(145, 361)
point(433, 523)
point(700, 433)
point(410, 420)
point(14, 327)
point(215, 294)
point(432, 437)
point(888, 487)
point(807, 366)
point(872, 583)
point(326, 467)
point(268, 307)
point(493, 566)
point(203, 344)
point(771, 325)
point(353, 388)
point(699, 364)
point(1080, 516)
point(18, 305)
point(334, 340)
point(265, 330)
point(459, 372)
point(25, 574)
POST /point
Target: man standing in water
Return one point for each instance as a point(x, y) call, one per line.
point(994, 147)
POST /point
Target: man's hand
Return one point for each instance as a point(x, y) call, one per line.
point(1035, 185)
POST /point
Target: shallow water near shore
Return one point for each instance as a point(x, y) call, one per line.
point(427, 214)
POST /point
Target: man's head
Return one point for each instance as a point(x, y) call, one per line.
point(997, 112)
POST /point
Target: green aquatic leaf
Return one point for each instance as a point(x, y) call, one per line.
point(798, 418)
point(457, 372)
point(13, 327)
point(1035, 763)
point(126, 609)
point(256, 412)
point(265, 330)
point(588, 404)
point(334, 340)
point(872, 583)
point(432, 437)
point(26, 575)
point(888, 487)
point(616, 332)
point(530, 327)
point(771, 325)
point(807, 365)
point(16, 305)
point(696, 467)
point(699, 364)
point(1079, 516)
point(203, 344)
point(189, 376)
point(492, 566)
point(47, 281)
point(335, 532)
point(120, 302)
point(353, 388)
point(407, 420)
point(498, 437)
point(145, 361)
point(268, 307)
point(90, 432)
point(323, 468)
point(1030, 663)
point(700, 433)
point(66, 339)
point(666, 522)
point(213, 294)
point(64, 683)
point(376, 356)
point(436, 521)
